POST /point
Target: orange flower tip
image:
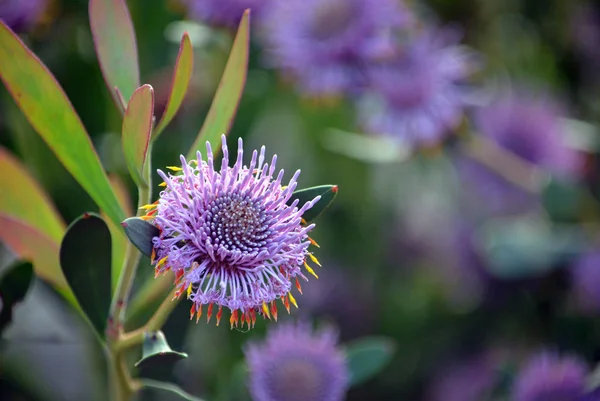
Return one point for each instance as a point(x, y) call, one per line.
point(298, 287)
point(314, 259)
point(334, 189)
point(162, 184)
point(198, 313)
point(148, 207)
point(219, 314)
point(293, 300)
point(265, 311)
point(174, 168)
point(152, 255)
point(146, 218)
point(274, 310)
point(302, 220)
point(310, 270)
point(312, 241)
point(209, 313)
point(192, 311)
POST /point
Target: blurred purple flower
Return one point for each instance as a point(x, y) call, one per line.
point(223, 12)
point(548, 377)
point(324, 44)
point(229, 236)
point(295, 364)
point(585, 281)
point(418, 95)
point(21, 15)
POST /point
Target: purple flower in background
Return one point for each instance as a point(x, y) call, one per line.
point(295, 364)
point(324, 44)
point(223, 12)
point(229, 236)
point(418, 95)
point(585, 281)
point(548, 377)
point(20, 15)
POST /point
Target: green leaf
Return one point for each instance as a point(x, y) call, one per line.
point(327, 193)
point(114, 39)
point(227, 98)
point(14, 284)
point(48, 110)
point(137, 126)
point(140, 233)
point(85, 259)
point(158, 390)
point(367, 357)
point(156, 351)
point(24, 199)
point(181, 80)
point(29, 243)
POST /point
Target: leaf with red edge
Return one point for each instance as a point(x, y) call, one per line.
point(227, 98)
point(181, 80)
point(137, 126)
point(49, 111)
point(31, 244)
point(23, 198)
point(114, 38)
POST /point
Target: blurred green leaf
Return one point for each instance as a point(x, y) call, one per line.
point(85, 259)
point(137, 127)
point(14, 284)
point(327, 193)
point(562, 198)
point(24, 199)
point(147, 299)
point(48, 110)
point(367, 357)
point(181, 80)
point(114, 38)
point(140, 233)
point(119, 240)
point(31, 244)
point(222, 111)
point(156, 351)
point(157, 390)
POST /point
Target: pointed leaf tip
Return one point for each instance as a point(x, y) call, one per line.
point(327, 193)
point(156, 351)
point(137, 127)
point(140, 233)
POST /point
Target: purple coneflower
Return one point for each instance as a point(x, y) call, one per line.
point(325, 44)
point(548, 376)
point(223, 12)
point(230, 236)
point(295, 364)
point(418, 94)
point(20, 15)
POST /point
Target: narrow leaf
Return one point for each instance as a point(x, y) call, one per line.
point(119, 240)
point(48, 110)
point(367, 357)
point(327, 193)
point(181, 80)
point(14, 284)
point(114, 38)
point(156, 351)
point(85, 258)
point(137, 126)
point(158, 390)
point(31, 244)
point(229, 92)
point(140, 233)
point(24, 199)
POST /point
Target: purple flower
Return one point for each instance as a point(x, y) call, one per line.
point(324, 44)
point(585, 279)
point(223, 12)
point(548, 377)
point(295, 364)
point(229, 235)
point(21, 15)
point(418, 95)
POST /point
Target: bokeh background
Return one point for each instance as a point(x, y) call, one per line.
point(463, 136)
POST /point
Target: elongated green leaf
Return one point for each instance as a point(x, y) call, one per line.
point(119, 240)
point(85, 259)
point(48, 110)
point(156, 351)
point(367, 357)
point(327, 193)
point(14, 284)
point(227, 98)
point(161, 390)
point(181, 81)
point(140, 233)
point(137, 126)
point(114, 38)
point(23, 198)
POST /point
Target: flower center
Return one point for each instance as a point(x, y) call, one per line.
point(237, 223)
point(297, 380)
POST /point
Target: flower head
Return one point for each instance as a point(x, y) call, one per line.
point(20, 15)
point(295, 364)
point(325, 43)
point(548, 376)
point(418, 95)
point(232, 236)
point(223, 12)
